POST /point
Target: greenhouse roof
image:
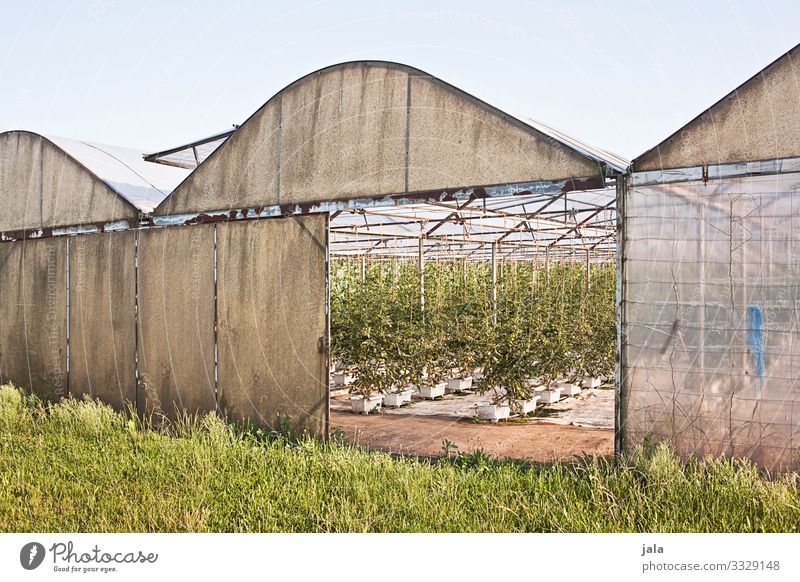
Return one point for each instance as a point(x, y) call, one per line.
point(192, 154)
point(562, 226)
point(142, 183)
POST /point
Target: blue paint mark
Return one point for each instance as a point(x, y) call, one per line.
point(755, 337)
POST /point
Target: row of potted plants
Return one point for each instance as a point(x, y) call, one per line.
point(498, 408)
point(543, 325)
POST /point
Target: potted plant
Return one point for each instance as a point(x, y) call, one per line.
point(459, 384)
point(397, 398)
point(493, 411)
point(551, 395)
point(525, 406)
point(568, 388)
point(590, 382)
point(343, 378)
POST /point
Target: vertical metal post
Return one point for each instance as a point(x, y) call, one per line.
point(547, 266)
point(327, 340)
point(394, 271)
point(701, 317)
point(137, 324)
point(363, 271)
point(421, 268)
point(502, 262)
point(216, 319)
point(68, 354)
point(494, 283)
point(620, 389)
point(588, 270)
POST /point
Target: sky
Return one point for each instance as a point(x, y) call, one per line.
point(151, 75)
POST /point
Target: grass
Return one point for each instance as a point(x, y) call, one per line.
point(79, 466)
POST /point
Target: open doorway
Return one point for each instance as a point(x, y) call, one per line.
point(481, 324)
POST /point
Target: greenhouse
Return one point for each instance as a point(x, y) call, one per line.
point(213, 275)
point(710, 279)
point(68, 263)
point(373, 237)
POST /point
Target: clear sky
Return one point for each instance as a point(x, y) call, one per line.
point(150, 75)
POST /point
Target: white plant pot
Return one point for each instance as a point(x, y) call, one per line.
point(590, 382)
point(477, 375)
point(550, 396)
point(342, 379)
point(397, 399)
point(526, 406)
point(569, 389)
point(493, 412)
point(433, 391)
point(365, 405)
point(459, 384)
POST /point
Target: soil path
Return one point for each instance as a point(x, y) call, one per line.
point(416, 435)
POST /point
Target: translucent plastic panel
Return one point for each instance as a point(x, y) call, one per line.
point(711, 351)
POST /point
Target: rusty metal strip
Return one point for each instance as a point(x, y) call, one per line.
point(544, 187)
point(88, 228)
point(446, 195)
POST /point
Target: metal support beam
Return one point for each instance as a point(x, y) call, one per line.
point(494, 283)
point(588, 270)
point(547, 267)
point(421, 268)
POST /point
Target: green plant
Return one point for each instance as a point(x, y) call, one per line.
point(78, 466)
point(545, 326)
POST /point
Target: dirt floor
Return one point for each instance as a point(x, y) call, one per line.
point(413, 434)
point(575, 425)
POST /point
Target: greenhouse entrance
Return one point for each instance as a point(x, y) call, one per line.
point(458, 261)
point(476, 324)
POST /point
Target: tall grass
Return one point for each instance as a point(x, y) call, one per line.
point(79, 466)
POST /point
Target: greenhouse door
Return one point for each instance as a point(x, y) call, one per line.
point(273, 323)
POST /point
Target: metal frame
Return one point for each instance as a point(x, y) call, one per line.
point(528, 226)
point(162, 157)
point(521, 215)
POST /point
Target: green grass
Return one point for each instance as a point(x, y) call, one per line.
point(79, 466)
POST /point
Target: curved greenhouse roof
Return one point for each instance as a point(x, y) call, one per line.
point(369, 129)
point(49, 182)
point(144, 184)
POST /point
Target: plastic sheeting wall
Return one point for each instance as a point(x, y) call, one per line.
point(252, 292)
point(176, 320)
point(102, 317)
point(33, 315)
point(272, 322)
point(711, 298)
